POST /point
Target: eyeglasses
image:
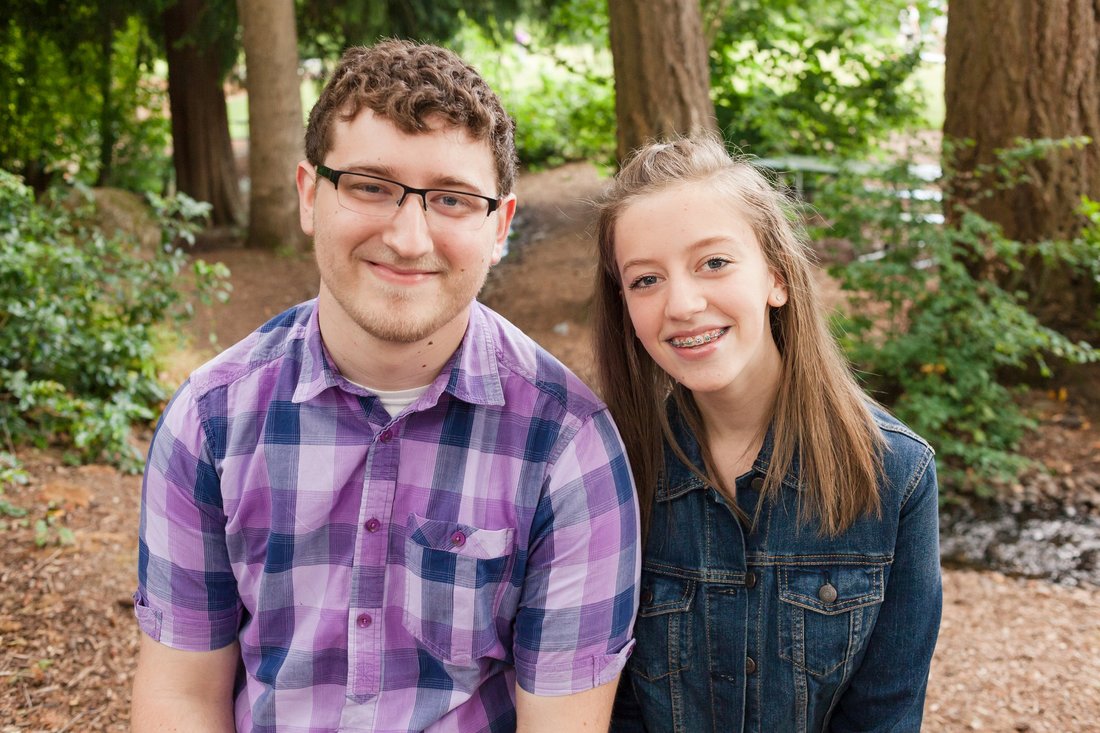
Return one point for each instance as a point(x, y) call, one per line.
point(375, 196)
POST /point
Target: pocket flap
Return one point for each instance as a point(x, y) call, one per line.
point(831, 589)
point(661, 594)
point(458, 538)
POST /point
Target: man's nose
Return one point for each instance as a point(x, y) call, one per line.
point(407, 232)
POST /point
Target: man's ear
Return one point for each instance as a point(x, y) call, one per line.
point(306, 178)
point(505, 212)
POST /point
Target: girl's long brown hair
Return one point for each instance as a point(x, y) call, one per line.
point(821, 418)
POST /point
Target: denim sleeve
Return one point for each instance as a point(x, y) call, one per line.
point(887, 690)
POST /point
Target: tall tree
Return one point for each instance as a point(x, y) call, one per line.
point(1023, 69)
point(202, 151)
point(662, 82)
point(274, 121)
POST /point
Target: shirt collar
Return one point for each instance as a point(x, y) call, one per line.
point(678, 478)
point(472, 374)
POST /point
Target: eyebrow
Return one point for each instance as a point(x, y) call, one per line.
point(701, 244)
point(447, 182)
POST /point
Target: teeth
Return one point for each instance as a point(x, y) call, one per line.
point(699, 340)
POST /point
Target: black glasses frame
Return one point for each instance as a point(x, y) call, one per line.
point(334, 176)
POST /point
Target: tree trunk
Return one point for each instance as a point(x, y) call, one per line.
point(662, 80)
point(201, 149)
point(1025, 69)
point(275, 127)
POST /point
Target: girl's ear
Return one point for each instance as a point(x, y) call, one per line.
point(778, 294)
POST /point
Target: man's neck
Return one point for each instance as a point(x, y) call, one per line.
point(387, 365)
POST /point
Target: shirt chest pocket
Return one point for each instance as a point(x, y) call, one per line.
point(455, 575)
point(826, 613)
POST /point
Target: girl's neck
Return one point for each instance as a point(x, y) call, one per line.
point(737, 418)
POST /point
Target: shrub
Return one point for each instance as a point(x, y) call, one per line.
point(79, 310)
point(561, 96)
point(934, 342)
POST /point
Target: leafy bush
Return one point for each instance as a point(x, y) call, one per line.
point(561, 96)
point(932, 340)
point(79, 311)
point(75, 110)
point(812, 77)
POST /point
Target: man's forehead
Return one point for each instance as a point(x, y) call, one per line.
point(450, 151)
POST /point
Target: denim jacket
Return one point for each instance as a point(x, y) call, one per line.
point(783, 630)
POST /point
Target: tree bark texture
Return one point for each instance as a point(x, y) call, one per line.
point(1027, 69)
point(275, 127)
point(201, 149)
point(662, 79)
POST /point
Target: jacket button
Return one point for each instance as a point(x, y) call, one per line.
point(647, 596)
point(827, 593)
point(750, 665)
point(757, 484)
point(750, 579)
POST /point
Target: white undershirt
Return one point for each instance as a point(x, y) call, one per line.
point(396, 400)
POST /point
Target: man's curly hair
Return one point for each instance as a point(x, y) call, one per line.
point(407, 83)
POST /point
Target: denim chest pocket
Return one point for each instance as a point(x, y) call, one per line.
point(826, 613)
point(663, 627)
point(455, 575)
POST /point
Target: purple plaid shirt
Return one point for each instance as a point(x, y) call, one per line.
point(390, 574)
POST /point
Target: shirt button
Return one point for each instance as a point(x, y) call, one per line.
point(364, 620)
point(750, 665)
point(827, 593)
point(458, 539)
point(757, 484)
point(372, 524)
point(750, 579)
point(386, 435)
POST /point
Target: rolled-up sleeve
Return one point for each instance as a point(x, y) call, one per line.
point(187, 595)
point(574, 627)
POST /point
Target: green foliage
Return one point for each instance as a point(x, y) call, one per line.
point(141, 132)
point(78, 96)
point(562, 97)
point(823, 77)
point(934, 339)
point(325, 29)
point(78, 316)
point(11, 474)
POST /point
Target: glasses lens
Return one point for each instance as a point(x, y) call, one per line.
point(368, 195)
point(445, 210)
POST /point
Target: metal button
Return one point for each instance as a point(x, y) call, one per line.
point(750, 579)
point(647, 596)
point(364, 620)
point(750, 665)
point(458, 539)
point(373, 524)
point(757, 484)
point(827, 593)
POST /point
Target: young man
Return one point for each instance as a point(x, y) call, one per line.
point(387, 509)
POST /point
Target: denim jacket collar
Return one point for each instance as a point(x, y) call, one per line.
point(680, 479)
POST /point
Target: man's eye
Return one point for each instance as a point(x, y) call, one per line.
point(451, 201)
point(369, 188)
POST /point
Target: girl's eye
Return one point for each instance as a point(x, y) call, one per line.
point(645, 281)
point(715, 263)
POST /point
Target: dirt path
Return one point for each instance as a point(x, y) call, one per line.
point(1014, 655)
